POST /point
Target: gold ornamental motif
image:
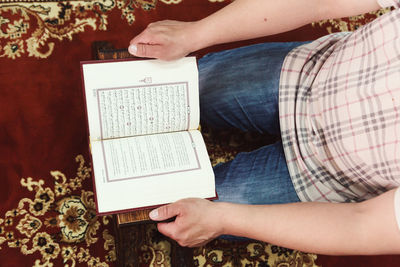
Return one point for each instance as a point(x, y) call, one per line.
point(56, 223)
point(350, 23)
point(31, 28)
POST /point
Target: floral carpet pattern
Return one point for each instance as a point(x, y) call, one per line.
point(49, 219)
point(58, 225)
point(58, 222)
point(32, 27)
point(350, 23)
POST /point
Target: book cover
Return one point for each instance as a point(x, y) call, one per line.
point(142, 118)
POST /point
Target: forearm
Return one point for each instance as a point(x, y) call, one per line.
point(325, 228)
point(240, 20)
point(311, 227)
point(246, 19)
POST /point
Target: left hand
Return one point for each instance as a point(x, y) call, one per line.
point(197, 221)
point(166, 40)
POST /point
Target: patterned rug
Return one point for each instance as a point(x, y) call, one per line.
point(47, 215)
point(31, 28)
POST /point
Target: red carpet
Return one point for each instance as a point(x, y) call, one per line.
point(47, 213)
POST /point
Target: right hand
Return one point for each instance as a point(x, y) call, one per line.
point(197, 221)
point(166, 40)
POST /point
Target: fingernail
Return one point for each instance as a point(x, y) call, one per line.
point(153, 214)
point(132, 49)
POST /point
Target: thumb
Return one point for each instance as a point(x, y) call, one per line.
point(144, 50)
point(164, 212)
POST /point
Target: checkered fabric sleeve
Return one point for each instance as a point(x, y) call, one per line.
point(388, 3)
point(339, 110)
point(397, 206)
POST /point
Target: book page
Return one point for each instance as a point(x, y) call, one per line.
point(151, 170)
point(148, 155)
point(129, 98)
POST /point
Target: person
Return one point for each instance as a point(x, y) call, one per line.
point(331, 185)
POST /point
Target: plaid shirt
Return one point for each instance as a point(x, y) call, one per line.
point(339, 105)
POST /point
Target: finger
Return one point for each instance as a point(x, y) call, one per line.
point(167, 229)
point(161, 23)
point(140, 38)
point(173, 231)
point(164, 212)
point(148, 50)
point(150, 34)
point(145, 37)
point(132, 49)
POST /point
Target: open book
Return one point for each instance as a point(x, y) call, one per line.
point(143, 117)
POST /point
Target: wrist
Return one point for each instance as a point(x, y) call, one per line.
point(222, 217)
point(198, 36)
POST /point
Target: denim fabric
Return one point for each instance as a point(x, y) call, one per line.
point(239, 89)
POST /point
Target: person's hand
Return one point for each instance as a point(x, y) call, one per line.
point(197, 221)
point(166, 40)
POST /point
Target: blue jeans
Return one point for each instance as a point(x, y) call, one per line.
point(239, 89)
